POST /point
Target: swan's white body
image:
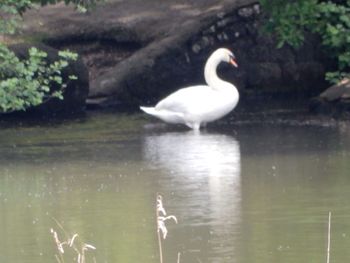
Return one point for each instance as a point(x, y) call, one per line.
point(197, 105)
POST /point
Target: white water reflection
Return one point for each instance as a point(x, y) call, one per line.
point(202, 171)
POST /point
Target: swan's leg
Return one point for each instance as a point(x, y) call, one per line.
point(196, 126)
point(193, 125)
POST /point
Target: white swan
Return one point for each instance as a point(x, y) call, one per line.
point(197, 105)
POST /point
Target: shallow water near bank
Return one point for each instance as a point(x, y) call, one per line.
point(246, 189)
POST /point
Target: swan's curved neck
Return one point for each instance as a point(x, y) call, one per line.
point(211, 76)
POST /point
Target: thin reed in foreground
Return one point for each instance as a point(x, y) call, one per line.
point(161, 227)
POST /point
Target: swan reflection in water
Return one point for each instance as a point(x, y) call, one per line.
point(202, 172)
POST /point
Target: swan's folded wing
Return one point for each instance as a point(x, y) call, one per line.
point(185, 99)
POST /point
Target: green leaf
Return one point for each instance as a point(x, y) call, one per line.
point(289, 20)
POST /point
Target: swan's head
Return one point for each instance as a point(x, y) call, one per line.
point(225, 55)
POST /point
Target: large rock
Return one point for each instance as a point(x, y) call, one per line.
point(74, 95)
point(178, 59)
point(334, 101)
point(138, 51)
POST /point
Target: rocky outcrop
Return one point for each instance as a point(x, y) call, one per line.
point(74, 95)
point(138, 51)
point(333, 101)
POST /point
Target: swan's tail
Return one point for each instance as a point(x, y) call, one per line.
point(165, 115)
point(149, 110)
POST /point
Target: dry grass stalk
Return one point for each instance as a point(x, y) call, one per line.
point(329, 237)
point(70, 243)
point(161, 227)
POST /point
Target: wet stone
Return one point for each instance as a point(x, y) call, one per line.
point(246, 12)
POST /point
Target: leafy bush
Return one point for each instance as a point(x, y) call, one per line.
point(81, 5)
point(330, 20)
point(27, 83)
point(11, 11)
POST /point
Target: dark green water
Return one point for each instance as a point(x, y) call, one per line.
point(250, 191)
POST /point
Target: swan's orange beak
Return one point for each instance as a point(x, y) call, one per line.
point(233, 63)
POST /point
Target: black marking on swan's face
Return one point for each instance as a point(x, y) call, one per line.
point(232, 60)
point(224, 54)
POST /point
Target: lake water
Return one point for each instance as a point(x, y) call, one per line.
point(248, 189)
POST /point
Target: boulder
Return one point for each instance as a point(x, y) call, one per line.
point(139, 51)
point(263, 74)
point(177, 60)
point(74, 95)
point(340, 91)
point(334, 101)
